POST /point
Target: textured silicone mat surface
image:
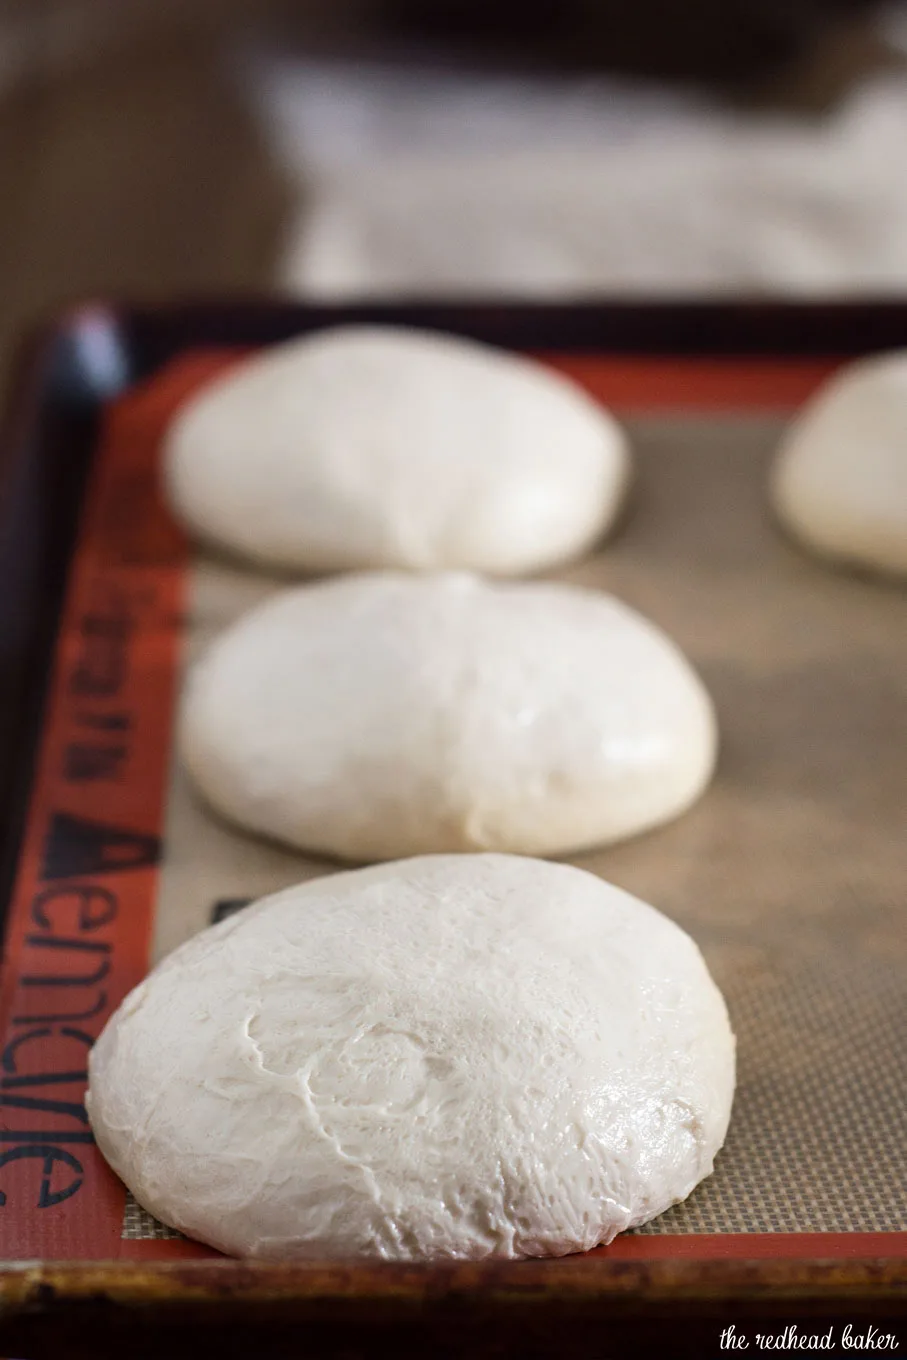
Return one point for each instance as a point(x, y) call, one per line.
point(817, 1139)
point(790, 873)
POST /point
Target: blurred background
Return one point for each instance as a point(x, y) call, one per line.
point(381, 148)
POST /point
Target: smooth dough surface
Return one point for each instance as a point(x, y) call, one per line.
point(381, 447)
point(383, 715)
point(448, 1057)
point(840, 480)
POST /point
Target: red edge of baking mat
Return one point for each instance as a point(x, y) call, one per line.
point(83, 903)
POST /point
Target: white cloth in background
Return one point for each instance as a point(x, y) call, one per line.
point(416, 181)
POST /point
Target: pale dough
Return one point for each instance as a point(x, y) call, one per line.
point(374, 446)
point(840, 480)
point(450, 1057)
point(385, 714)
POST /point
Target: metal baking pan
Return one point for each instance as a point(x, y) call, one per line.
point(790, 873)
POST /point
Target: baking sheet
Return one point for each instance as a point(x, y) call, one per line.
point(790, 872)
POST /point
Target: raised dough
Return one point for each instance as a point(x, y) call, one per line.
point(372, 446)
point(456, 1056)
point(382, 715)
point(840, 480)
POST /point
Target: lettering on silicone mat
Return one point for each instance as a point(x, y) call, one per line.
point(82, 909)
point(66, 956)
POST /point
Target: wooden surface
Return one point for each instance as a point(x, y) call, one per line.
point(561, 1308)
point(141, 176)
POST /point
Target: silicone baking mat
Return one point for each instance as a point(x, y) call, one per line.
point(790, 872)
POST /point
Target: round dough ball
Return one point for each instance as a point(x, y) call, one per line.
point(455, 1056)
point(376, 447)
point(377, 716)
point(839, 483)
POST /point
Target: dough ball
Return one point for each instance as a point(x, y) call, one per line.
point(456, 1056)
point(382, 715)
point(840, 480)
point(376, 447)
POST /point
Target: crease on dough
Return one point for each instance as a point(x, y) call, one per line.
point(544, 1063)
